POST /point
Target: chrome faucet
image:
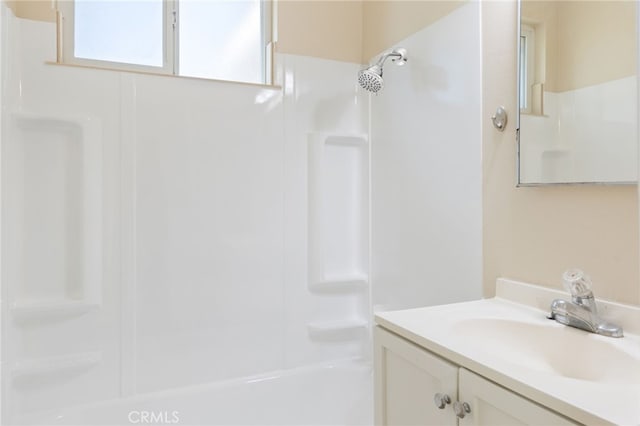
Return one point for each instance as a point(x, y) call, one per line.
point(582, 311)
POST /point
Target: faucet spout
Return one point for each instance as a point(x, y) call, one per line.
point(578, 316)
point(571, 314)
point(581, 312)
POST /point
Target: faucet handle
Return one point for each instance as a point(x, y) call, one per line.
point(577, 283)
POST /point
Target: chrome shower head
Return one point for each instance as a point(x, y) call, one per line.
point(370, 78)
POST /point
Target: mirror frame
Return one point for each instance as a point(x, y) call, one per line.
point(517, 80)
point(519, 183)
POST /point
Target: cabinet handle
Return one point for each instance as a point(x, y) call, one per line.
point(441, 400)
point(461, 409)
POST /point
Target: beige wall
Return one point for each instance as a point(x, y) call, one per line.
point(534, 234)
point(585, 42)
point(330, 29)
point(388, 22)
point(353, 30)
point(596, 42)
point(39, 10)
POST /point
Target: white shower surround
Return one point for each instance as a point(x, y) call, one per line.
point(205, 275)
point(426, 162)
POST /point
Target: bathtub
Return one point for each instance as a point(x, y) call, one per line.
point(329, 394)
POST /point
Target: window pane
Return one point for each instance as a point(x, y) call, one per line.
point(221, 39)
point(523, 72)
point(119, 31)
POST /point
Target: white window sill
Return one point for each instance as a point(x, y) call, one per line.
point(158, 74)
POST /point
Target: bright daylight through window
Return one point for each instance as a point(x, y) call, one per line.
point(215, 39)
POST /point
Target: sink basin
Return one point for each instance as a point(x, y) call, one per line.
point(552, 348)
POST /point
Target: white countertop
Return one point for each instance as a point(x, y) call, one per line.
point(602, 395)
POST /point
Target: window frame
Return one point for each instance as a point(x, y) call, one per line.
point(171, 43)
point(527, 66)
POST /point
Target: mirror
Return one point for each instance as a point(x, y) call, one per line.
point(577, 92)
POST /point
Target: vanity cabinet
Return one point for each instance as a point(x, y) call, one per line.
point(406, 379)
point(411, 382)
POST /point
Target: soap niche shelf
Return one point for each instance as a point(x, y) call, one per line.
point(347, 329)
point(338, 229)
point(51, 369)
point(34, 311)
point(341, 285)
point(338, 220)
point(54, 216)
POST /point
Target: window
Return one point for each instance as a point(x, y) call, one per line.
point(216, 39)
point(527, 66)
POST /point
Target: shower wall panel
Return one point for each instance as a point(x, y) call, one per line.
point(322, 102)
point(60, 242)
point(426, 168)
point(209, 231)
point(203, 214)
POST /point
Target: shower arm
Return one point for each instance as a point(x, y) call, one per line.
point(394, 54)
point(384, 57)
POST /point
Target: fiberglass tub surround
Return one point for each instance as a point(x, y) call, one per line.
point(184, 261)
point(210, 243)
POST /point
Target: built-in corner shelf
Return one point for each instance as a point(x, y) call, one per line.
point(336, 330)
point(340, 285)
point(38, 310)
point(64, 365)
point(338, 233)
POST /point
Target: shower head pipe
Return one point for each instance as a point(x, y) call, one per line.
point(398, 55)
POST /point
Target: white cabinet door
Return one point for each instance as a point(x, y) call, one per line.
point(493, 405)
point(406, 379)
